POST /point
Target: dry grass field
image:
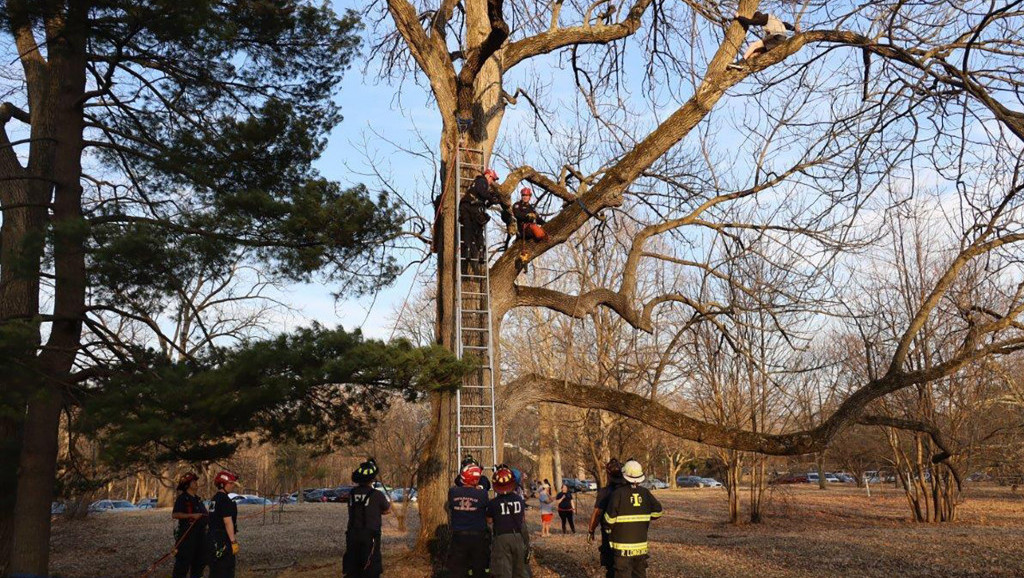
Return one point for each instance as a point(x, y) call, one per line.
point(808, 533)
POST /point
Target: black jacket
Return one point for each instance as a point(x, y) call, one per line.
point(630, 511)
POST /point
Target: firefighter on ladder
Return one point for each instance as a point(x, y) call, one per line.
point(366, 506)
point(529, 224)
point(473, 214)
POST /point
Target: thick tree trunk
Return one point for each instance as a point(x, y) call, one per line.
point(37, 466)
point(819, 462)
point(21, 248)
point(732, 484)
point(545, 463)
point(556, 456)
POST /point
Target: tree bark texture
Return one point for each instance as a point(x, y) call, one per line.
point(56, 88)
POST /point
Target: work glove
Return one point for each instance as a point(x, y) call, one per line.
point(234, 548)
point(511, 229)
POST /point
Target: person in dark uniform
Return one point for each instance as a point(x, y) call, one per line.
point(366, 506)
point(615, 480)
point(510, 550)
point(629, 513)
point(471, 461)
point(469, 552)
point(527, 218)
point(223, 534)
point(189, 536)
point(473, 214)
point(528, 225)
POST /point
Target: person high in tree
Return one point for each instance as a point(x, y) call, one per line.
point(528, 222)
point(775, 33)
point(366, 506)
point(473, 216)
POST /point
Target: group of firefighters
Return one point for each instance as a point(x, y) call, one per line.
point(521, 219)
point(489, 534)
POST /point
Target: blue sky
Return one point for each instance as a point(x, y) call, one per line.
point(365, 106)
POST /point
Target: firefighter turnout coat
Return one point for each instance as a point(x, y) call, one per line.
point(630, 511)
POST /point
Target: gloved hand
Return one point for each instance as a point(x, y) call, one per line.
point(590, 537)
point(511, 229)
point(234, 548)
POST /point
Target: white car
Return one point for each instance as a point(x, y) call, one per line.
point(711, 483)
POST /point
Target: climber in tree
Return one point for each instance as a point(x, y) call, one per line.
point(775, 33)
point(529, 224)
point(473, 214)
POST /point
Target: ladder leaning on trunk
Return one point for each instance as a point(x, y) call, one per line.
point(475, 405)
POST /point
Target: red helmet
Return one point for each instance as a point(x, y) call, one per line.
point(526, 192)
point(224, 477)
point(491, 173)
point(471, 476)
point(504, 480)
point(187, 478)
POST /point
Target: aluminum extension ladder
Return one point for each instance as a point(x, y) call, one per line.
point(476, 431)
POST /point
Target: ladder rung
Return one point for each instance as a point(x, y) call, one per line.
point(475, 311)
point(476, 406)
point(472, 293)
point(475, 387)
point(477, 447)
point(474, 426)
point(474, 347)
point(467, 275)
point(475, 329)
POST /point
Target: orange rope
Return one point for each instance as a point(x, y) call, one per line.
point(152, 568)
point(174, 550)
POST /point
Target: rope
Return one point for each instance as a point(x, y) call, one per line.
point(173, 551)
point(152, 567)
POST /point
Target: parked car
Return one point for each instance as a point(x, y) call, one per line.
point(574, 485)
point(831, 478)
point(689, 482)
point(398, 494)
point(316, 495)
point(591, 485)
point(237, 498)
point(254, 501)
point(791, 479)
point(979, 477)
point(288, 498)
point(146, 503)
point(111, 506)
point(654, 484)
point(845, 478)
point(341, 494)
point(812, 477)
point(57, 508)
point(711, 483)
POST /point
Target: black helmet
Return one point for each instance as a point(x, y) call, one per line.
point(366, 472)
point(468, 460)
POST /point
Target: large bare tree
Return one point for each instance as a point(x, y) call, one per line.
point(826, 130)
